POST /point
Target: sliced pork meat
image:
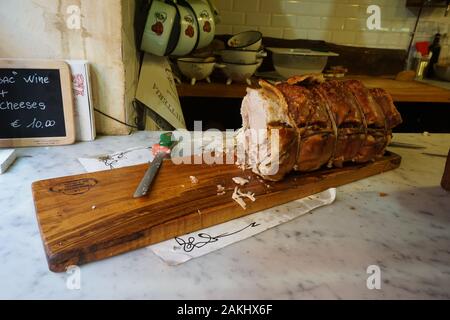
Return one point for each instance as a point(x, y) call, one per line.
point(306, 123)
point(265, 111)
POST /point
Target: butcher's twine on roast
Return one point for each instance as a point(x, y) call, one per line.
point(306, 123)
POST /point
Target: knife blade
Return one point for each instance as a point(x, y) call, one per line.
point(435, 154)
point(150, 174)
point(405, 145)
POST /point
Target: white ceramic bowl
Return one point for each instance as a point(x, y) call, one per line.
point(188, 31)
point(239, 72)
point(242, 56)
point(290, 62)
point(205, 20)
point(197, 68)
point(259, 61)
point(247, 40)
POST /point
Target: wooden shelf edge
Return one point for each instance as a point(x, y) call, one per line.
point(215, 89)
point(413, 92)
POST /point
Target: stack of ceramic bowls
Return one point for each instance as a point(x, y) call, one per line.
point(243, 56)
point(178, 28)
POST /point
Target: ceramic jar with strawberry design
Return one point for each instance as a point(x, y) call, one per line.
point(162, 28)
point(188, 30)
point(205, 21)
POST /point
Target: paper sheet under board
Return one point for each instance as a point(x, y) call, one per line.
point(196, 244)
point(116, 160)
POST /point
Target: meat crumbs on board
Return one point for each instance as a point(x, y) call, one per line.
point(240, 181)
point(239, 196)
point(194, 179)
point(220, 190)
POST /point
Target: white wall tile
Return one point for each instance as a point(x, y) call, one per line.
point(355, 24)
point(367, 39)
point(332, 23)
point(321, 9)
point(224, 29)
point(233, 18)
point(238, 29)
point(295, 7)
point(389, 38)
point(405, 38)
point(271, 6)
point(343, 37)
point(290, 33)
point(319, 35)
point(224, 5)
point(443, 57)
point(261, 19)
point(340, 21)
point(350, 10)
point(427, 26)
point(443, 27)
point(271, 32)
point(401, 25)
point(390, 12)
point(284, 20)
point(307, 22)
point(401, 12)
point(246, 5)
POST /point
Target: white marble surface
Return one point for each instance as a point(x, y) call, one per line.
point(438, 83)
point(321, 255)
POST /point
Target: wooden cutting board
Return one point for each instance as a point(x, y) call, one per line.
point(93, 216)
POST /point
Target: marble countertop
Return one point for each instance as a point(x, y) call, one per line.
point(437, 83)
point(405, 232)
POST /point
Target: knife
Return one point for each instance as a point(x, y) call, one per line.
point(165, 143)
point(435, 155)
point(405, 145)
point(150, 175)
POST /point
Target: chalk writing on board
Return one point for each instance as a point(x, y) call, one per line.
point(36, 79)
point(16, 124)
point(31, 104)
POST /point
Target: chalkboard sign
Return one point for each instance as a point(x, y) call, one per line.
point(36, 106)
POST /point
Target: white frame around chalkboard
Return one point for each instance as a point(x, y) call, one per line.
point(67, 99)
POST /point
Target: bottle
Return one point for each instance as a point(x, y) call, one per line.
point(435, 49)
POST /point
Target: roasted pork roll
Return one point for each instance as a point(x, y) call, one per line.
point(306, 123)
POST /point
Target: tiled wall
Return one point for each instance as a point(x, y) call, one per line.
point(338, 21)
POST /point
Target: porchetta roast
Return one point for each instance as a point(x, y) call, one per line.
point(319, 123)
